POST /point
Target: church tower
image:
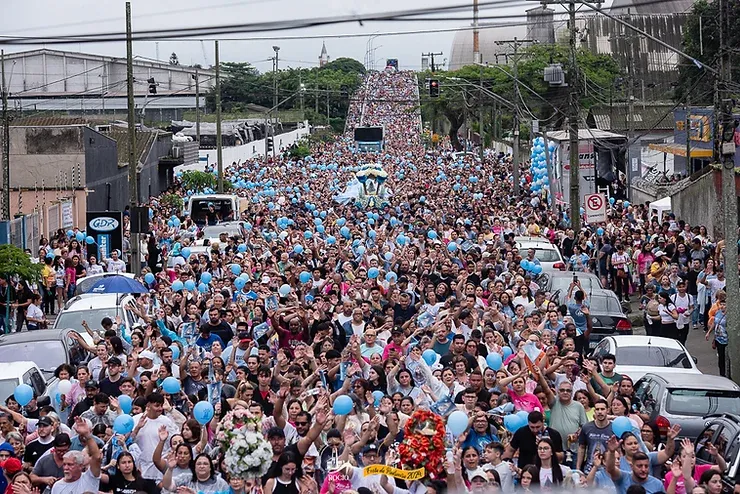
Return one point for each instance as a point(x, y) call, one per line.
point(324, 57)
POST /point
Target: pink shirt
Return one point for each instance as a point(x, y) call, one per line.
point(527, 402)
point(680, 487)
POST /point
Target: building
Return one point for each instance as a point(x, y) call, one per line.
point(324, 57)
point(51, 82)
point(63, 167)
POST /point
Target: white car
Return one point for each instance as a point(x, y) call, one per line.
point(638, 355)
point(544, 251)
point(92, 308)
point(86, 283)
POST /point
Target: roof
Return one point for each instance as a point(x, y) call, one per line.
point(636, 340)
point(49, 121)
point(26, 336)
point(650, 116)
point(88, 301)
point(697, 381)
point(584, 135)
point(144, 139)
point(651, 6)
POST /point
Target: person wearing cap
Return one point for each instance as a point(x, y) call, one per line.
point(142, 362)
point(10, 466)
point(40, 445)
point(369, 456)
point(236, 353)
point(111, 383)
point(91, 389)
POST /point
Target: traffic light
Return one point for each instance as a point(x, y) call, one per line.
point(152, 85)
point(269, 144)
point(433, 88)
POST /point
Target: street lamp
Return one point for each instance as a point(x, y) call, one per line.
point(274, 76)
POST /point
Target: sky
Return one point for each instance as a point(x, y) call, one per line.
point(55, 18)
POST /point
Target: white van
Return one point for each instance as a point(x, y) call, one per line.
point(226, 207)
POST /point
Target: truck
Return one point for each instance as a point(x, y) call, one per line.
point(369, 139)
point(226, 207)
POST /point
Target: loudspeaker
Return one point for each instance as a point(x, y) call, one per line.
point(140, 219)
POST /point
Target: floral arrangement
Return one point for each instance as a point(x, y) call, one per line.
point(248, 454)
point(423, 443)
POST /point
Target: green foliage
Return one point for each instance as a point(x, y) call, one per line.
point(460, 100)
point(333, 84)
point(300, 150)
point(172, 201)
point(198, 181)
point(705, 48)
point(15, 262)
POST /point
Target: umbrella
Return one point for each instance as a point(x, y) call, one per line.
point(118, 284)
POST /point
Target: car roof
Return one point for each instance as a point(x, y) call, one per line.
point(638, 340)
point(696, 381)
point(602, 292)
point(88, 301)
point(569, 275)
point(26, 336)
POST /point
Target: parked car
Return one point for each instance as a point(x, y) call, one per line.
point(544, 251)
point(685, 399)
point(723, 431)
point(47, 349)
point(557, 283)
point(638, 355)
point(607, 316)
point(21, 372)
point(86, 283)
point(212, 233)
point(92, 308)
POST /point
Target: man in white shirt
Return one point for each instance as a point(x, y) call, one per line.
point(115, 265)
point(75, 481)
point(685, 306)
point(146, 434)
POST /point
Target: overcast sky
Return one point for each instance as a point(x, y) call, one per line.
point(52, 17)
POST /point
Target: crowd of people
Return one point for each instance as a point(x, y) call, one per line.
point(423, 305)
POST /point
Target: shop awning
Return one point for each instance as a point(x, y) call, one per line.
point(680, 150)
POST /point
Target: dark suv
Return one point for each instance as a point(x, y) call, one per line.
point(722, 430)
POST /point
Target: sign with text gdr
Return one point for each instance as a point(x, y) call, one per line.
point(595, 208)
point(106, 229)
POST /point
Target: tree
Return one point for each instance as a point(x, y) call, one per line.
point(705, 47)
point(14, 262)
point(345, 64)
point(198, 181)
point(173, 59)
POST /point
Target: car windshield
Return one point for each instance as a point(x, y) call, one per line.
point(215, 231)
point(700, 402)
point(46, 354)
point(562, 283)
point(73, 319)
point(653, 356)
point(546, 255)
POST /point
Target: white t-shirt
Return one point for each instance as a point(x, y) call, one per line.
point(147, 439)
point(546, 476)
point(686, 301)
point(86, 483)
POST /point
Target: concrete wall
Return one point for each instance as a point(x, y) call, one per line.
point(701, 203)
point(248, 151)
point(52, 155)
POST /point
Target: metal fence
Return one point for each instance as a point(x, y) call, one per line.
point(23, 232)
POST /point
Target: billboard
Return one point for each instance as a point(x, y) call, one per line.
point(106, 229)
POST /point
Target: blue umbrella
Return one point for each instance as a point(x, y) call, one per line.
point(118, 284)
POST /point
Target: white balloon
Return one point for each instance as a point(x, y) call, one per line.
point(64, 386)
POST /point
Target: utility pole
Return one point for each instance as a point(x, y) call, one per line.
point(6, 146)
point(575, 189)
point(687, 124)
point(431, 56)
point(480, 110)
point(316, 99)
point(476, 35)
point(219, 150)
point(133, 165)
point(275, 77)
point(515, 44)
point(729, 201)
point(197, 106)
point(300, 87)
point(328, 122)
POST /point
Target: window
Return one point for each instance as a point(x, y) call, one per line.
point(651, 397)
point(46, 354)
point(698, 402)
point(654, 356)
point(37, 382)
point(706, 437)
point(547, 255)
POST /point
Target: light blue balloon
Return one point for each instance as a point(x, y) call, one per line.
point(206, 277)
point(431, 234)
point(284, 290)
point(345, 232)
point(513, 423)
point(190, 285)
point(242, 248)
point(171, 385)
point(452, 247)
point(507, 352)
point(175, 351)
point(239, 283)
point(203, 412)
point(494, 361)
point(236, 269)
point(536, 269)
point(457, 422)
point(123, 424)
point(185, 252)
point(331, 240)
point(89, 240)
point(429, 356)
point(71, 234)
point(524, 416)
point(388, 256)
point(377, 395)
point(307, 234)
point(305, 276)
point(149, 278)
point(391, 277)
point(298, 249)
point(125, 403)
point(202, 288)
point(343, 405)
point(80, 236)
point(373, 273)
point(599, 231)
point(620, 425)
point(23, 394)
point(372, 234)
point(341, 222)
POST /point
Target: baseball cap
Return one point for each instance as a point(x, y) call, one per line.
point(147, 354)
point(265, 280)
point(12, 466)
point(244, 336)
point(403, 279)
point(91, 384)
point(275, 432)
point(62, 439)
point(370, 448)
point(44, 421)
point(114, 361)
point(477, 472)
point(660, 253)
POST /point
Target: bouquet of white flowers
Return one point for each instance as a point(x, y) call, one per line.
point(248, 454)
